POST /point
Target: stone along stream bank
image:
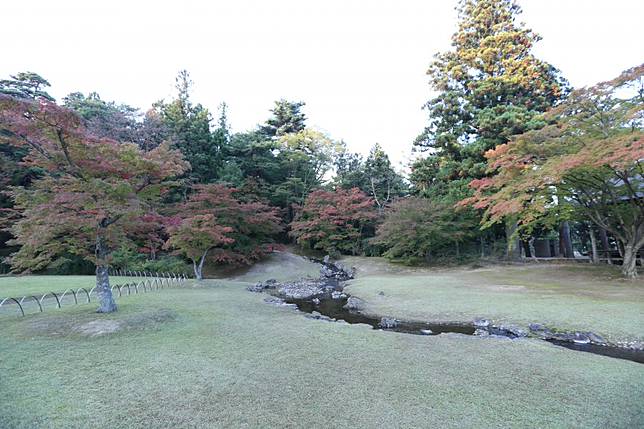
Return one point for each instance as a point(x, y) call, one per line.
point(324, 299)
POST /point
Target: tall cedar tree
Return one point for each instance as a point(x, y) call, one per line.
point(214, 224)
point(335, 222)
point(490, 86)
point(91, 190)
point(589, 158)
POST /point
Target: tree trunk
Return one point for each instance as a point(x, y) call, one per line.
point(198, 268)
point(605, 247)
point(105, 298)
point(565, 242)
point(513, 242)
point(533, 251)
point(482, 247)
point(594, 258)
point(197, 272)
point(620, 249)
point(629, 267)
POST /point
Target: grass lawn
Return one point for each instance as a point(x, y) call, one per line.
point(578, 297)
point(215, 355)
point(17, 286)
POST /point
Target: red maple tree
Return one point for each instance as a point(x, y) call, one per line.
point(335, 222)
point(214, 224)
point(91, 191)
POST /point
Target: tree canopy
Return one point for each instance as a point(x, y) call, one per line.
point(335, 222)
point(91, 189)
point(587, 158)
point(214, 224)
point(490, 86)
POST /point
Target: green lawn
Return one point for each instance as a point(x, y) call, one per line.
point(17, 286)
point(578, 297)
point(215, 355)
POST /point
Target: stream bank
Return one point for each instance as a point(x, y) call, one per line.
point(324, 299)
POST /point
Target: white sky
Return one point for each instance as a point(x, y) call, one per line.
point(359, 65)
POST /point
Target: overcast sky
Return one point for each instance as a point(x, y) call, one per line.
point(359, 65)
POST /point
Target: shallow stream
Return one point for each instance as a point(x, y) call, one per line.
point(334, 308)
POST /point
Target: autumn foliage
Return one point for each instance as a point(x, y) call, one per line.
point(91, 190)
point(214, 224)
point(334, 221)
point(588, 158)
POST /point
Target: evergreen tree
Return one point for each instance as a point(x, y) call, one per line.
point(490, 86)
point(189, 130)
point(375, 176)
point(349, 171)
point(26, 85)
point(382, 182)
point(287, 118)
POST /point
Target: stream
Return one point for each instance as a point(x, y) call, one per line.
point(334, 309)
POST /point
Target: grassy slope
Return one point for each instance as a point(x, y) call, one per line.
point(229, 360)
point(17, 286)
point(565, 297)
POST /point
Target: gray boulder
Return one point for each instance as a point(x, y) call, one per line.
point(596, 339)
point(335, 270)
point(262, 286)
point(388, 323)
point(317, 316)
point(540, 330)
point(302, 289)
point(481, 323)
point(354, 303)
point(511, 331)
point(481, 332)
point(581, 338)
point(274, 300)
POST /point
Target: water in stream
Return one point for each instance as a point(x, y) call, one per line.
point(334, 308)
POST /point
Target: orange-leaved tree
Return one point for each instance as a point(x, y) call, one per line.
point(588, 158)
